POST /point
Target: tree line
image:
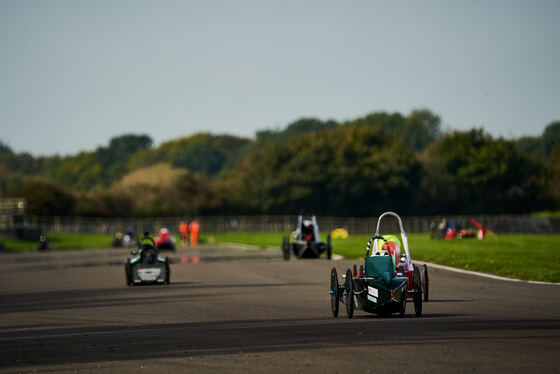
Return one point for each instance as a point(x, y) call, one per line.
point(382, 161)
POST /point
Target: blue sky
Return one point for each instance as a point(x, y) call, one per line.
point(75, 73)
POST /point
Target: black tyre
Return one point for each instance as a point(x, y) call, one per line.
point(286, 248)
point(425, 282)
point(334, 292)
point(329, 247)
point(403, 303)
point(128, 272)
point(417, 287)
point(167, 271)
point(349, 294)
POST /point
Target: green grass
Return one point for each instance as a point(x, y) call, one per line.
point(522, 256)
point(547, 214)
point(14, 245)
point(60, 242)
point(260, 239)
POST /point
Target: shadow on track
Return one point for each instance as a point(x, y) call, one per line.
point(137, 295)
point(118, 343)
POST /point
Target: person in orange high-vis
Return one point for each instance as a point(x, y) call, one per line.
point(193, 228)
point(184, 230)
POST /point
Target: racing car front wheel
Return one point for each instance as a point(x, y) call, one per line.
point(334, 292)
point(286, 248)
point(128, 272)
point(349, 291)
point(425, 282)
point(167, 271)
point(403, 303)
point(417, 289)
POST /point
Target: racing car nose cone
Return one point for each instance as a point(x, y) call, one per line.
point(150, 274)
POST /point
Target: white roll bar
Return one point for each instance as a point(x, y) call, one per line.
point(298, 230)
point(403, 234)
point(315, 228)
point(299, 236)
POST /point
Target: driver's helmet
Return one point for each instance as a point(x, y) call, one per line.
point(394, 248)
point(307, 230)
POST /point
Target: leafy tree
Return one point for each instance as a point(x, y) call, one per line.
point(418, 129)
point(123, 146)
point(421, 128)
point(552, 178)
point(161, 190)
point(531, 145)
point(351, 170)
point(551, 136)
point(201, 153)
point(469, 172)
point(4, 148)
point(114, 158)
point(99, 169)
point(105, 203)
point(382, 120)
point(80, 172)
point(297, 128)
point(45, 198)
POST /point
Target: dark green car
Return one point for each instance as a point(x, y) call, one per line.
point(377, 288)
point(147, 267)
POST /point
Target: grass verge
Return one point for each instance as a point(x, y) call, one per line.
point(259, 239)
point(521, 256)
point(60, 242)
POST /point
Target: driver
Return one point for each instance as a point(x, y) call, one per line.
point(391, 248)
point(307, 230)
point(163, 236)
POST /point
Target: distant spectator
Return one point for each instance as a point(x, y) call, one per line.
point(117, 240)
point(43, 244)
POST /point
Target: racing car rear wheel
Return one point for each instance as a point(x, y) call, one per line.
point(329, 247)
point(425, 281)
point(417, 288)
point(128, 272)
point(286, 248)
point(334, 292)
point(349, 290)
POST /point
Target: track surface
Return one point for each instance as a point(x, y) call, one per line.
point(239, 311)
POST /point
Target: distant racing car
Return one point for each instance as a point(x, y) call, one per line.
point(165, 241)
point(307, 242)
point(147, 267)
point(382, 286)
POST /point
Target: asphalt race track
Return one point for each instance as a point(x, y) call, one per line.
point(234, 310)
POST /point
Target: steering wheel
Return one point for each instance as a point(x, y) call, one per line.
point(371, 241)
